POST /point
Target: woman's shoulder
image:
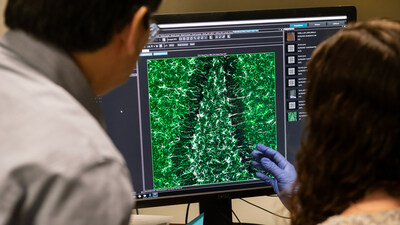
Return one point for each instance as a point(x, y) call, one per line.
point(390, 217)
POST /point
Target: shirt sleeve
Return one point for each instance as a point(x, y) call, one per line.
point(100, 194)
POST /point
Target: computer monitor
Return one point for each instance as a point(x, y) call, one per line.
point(207, 90)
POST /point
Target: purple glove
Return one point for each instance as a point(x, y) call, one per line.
point(273, 163)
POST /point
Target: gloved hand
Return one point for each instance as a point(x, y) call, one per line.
point(284, 174)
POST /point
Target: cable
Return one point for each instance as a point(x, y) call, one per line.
point(229, 220)
point(137, 211)
point(187, 213)
point(272, 196)
point(284, 217)
point(236, 217)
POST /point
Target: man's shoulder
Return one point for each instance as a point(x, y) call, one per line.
point(40, 118)
point(21, 82)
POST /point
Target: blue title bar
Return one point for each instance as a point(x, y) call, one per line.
point(146, 54)
point(299, 25)
point(160, 53)
point(245, 31)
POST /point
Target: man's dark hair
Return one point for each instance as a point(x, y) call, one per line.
point(74, 25)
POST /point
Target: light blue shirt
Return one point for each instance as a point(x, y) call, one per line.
point(57, 164)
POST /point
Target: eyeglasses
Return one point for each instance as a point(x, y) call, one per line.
point(154, 30)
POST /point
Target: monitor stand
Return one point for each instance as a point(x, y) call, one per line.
point(216, 211)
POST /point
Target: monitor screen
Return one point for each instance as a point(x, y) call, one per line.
point(207, 90)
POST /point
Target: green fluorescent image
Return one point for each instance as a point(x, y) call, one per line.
point(207, 115)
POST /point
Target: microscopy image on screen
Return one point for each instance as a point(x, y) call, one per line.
point(207, 114)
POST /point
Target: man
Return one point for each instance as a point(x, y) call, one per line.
point(57, 165)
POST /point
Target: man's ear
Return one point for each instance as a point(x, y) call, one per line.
point(137, 32)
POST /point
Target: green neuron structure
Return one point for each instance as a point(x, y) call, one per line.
point(207, 114)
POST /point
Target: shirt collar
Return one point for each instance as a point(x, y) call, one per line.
point(56, 65)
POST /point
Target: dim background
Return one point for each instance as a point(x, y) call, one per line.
point(366, 9)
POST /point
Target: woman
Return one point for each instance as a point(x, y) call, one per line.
point(349, 160)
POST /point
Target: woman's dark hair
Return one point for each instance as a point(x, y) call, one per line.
point(351, 144)
point(73, 25)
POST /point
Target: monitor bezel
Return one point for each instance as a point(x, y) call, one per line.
point(255, 188)
point(349, 11)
